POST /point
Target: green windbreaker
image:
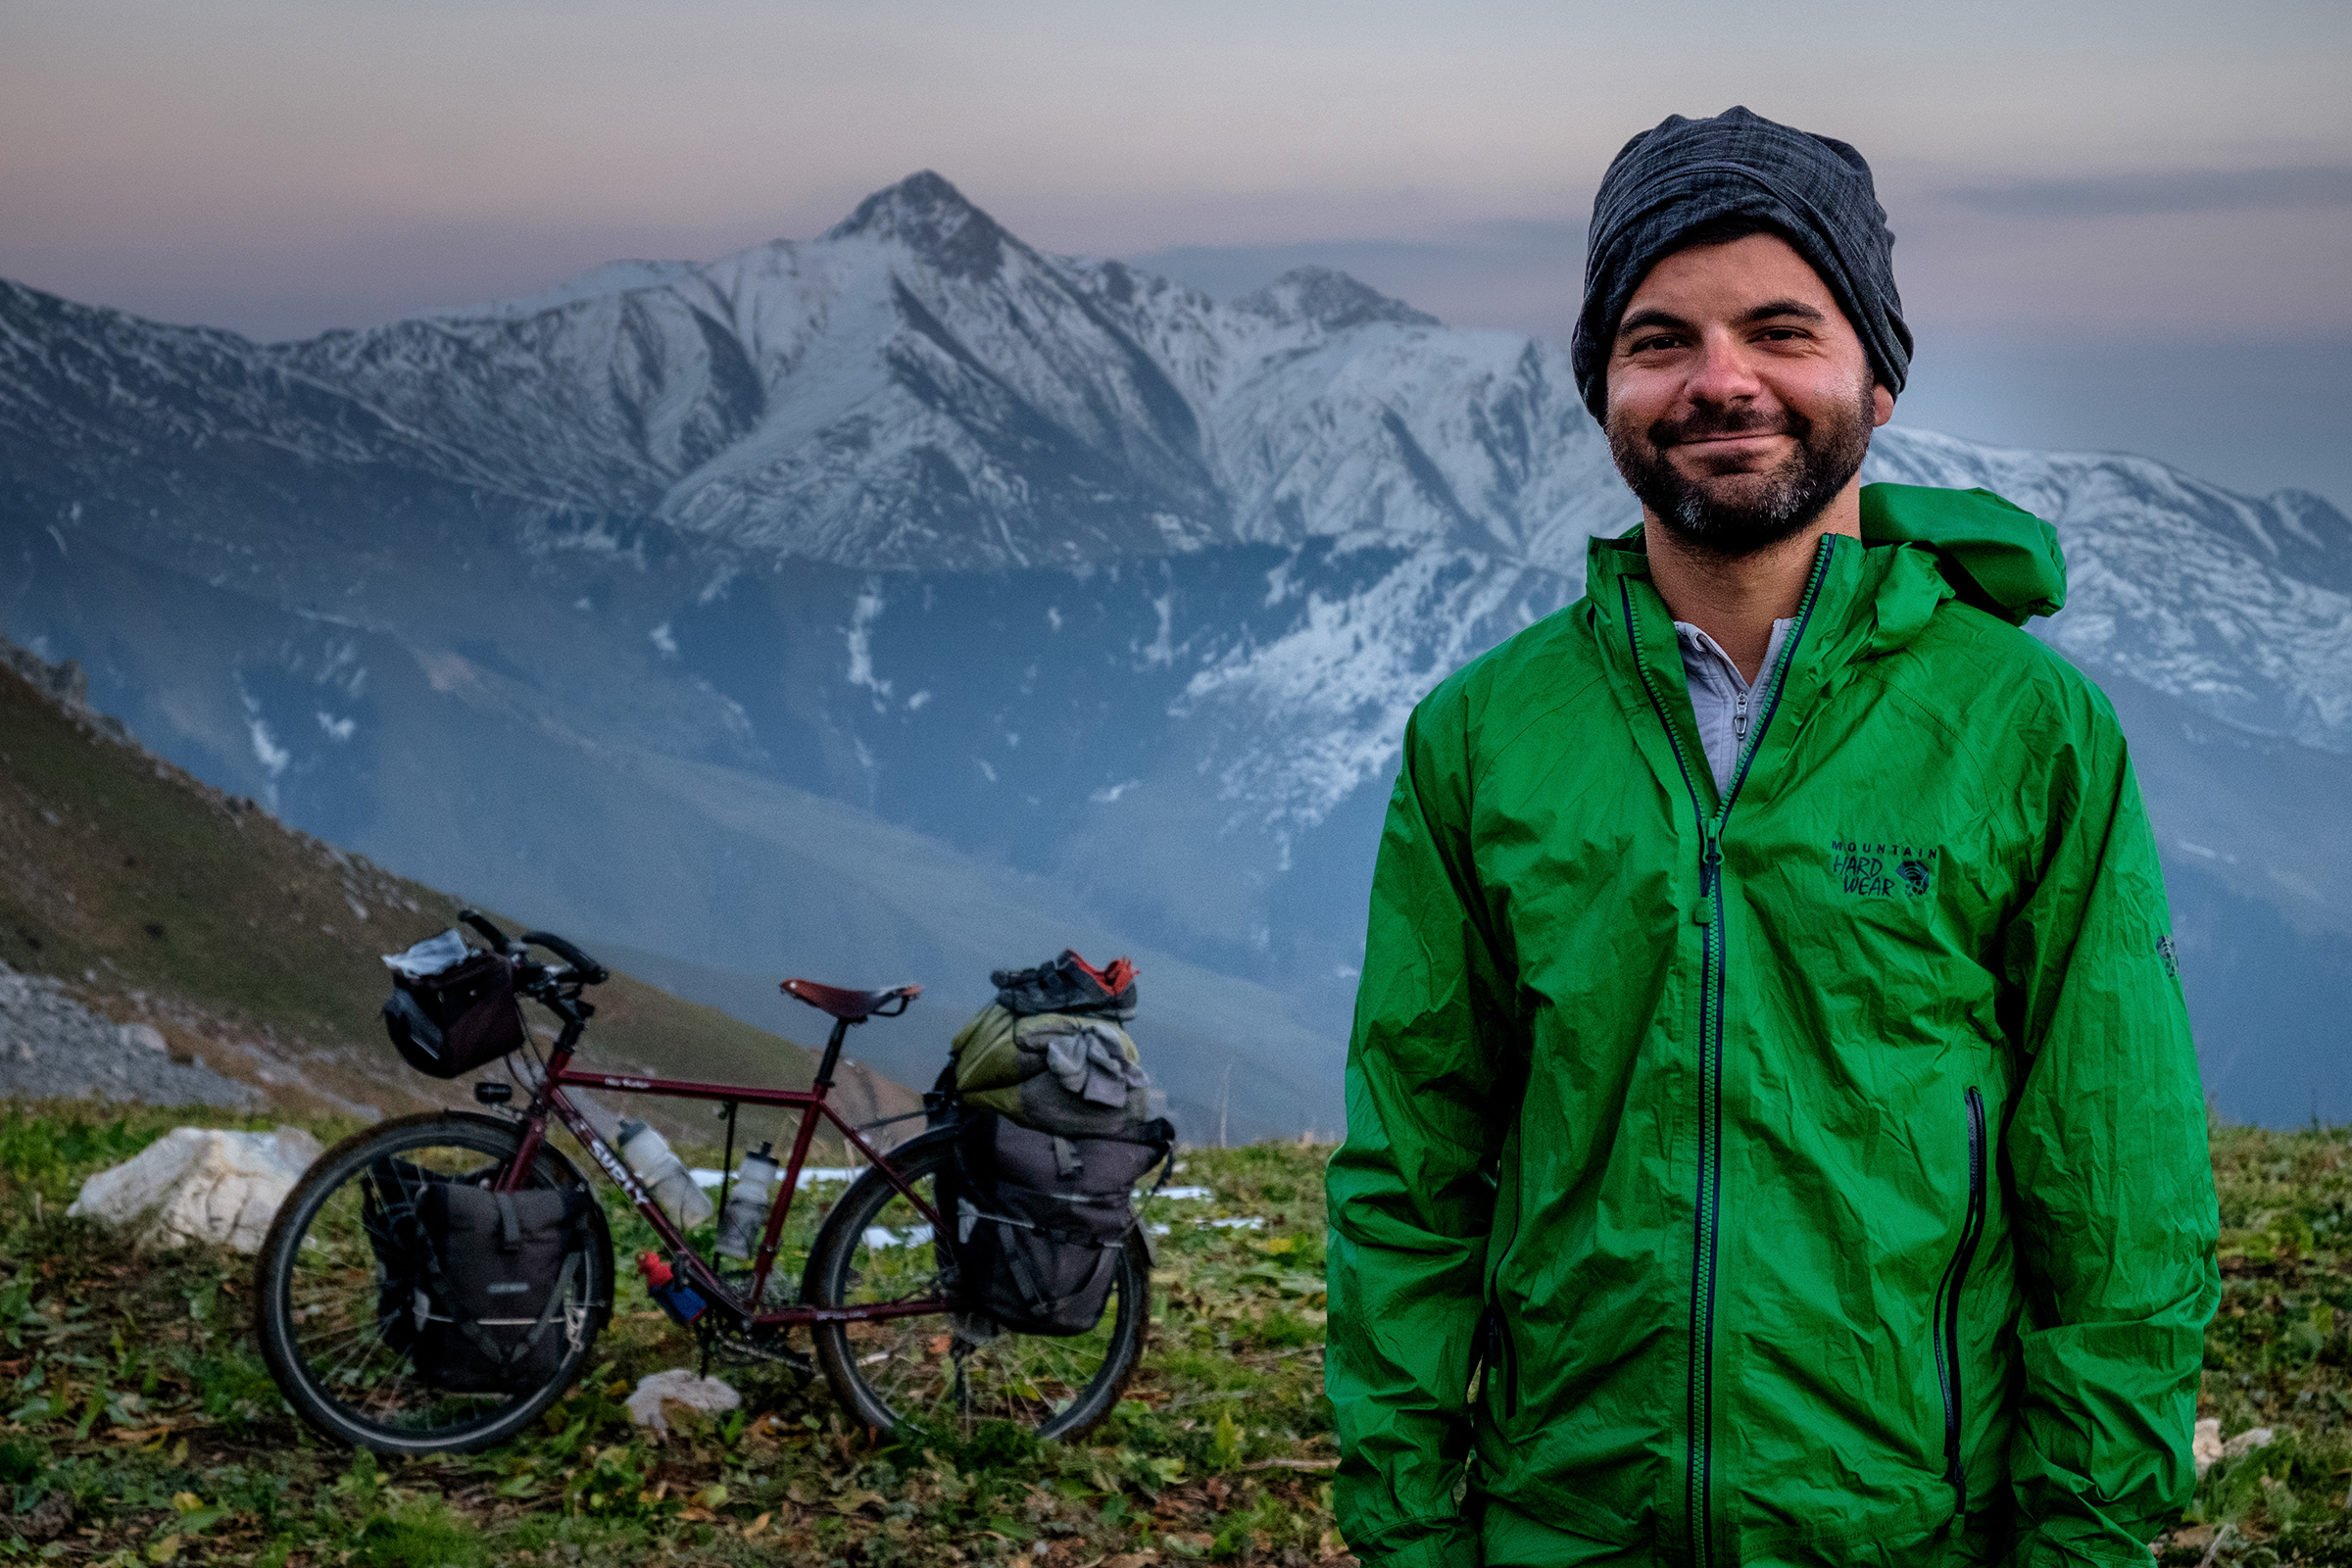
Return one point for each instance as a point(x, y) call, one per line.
point(1815, 1174)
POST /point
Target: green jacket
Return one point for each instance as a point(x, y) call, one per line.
point(1817, 1175)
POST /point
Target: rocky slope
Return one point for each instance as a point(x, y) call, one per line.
point(171, 944)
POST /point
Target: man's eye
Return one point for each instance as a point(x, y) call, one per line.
point(1661, 341)
point(1781, 335)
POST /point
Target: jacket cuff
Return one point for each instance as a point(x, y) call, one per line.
point(2042, 1548)
point(1453, 1545)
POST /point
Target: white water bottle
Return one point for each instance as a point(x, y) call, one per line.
point(663, 1174)
point(745, 1221)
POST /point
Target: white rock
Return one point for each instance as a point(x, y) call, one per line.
point(200, 1183)
point(2205, 1444)
point(2247, 1441)
point(145, 1034)
point(2206, 1447)
point(677, 1387)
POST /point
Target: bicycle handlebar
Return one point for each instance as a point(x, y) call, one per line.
point(584, 969)
point(500, 942)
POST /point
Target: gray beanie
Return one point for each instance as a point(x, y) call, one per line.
point(1814, 192)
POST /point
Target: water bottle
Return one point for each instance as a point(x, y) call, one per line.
point(649, 1155)
point(745, 1221)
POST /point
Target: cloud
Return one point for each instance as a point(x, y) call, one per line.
point(2179, 190)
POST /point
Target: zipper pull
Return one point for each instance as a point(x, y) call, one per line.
point(1710, 871)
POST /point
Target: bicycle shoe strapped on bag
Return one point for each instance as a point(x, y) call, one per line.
point(1069, 984)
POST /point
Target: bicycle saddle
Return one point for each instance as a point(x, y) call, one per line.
point(855, 1006)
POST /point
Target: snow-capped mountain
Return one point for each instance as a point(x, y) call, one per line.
point(755, 605)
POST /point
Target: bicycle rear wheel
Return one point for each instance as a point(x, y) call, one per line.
point(949, 1370)
point(329, 1330)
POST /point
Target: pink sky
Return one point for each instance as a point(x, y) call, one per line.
point(282, 165)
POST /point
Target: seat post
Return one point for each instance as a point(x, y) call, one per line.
point(824, 1071)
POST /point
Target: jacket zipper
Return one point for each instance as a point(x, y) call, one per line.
point(1947, 1304)
point(1706, 1221)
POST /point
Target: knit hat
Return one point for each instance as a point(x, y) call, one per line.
point(1814, 192)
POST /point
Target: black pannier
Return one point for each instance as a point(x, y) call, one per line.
point(481, 1289)
point(1040, 1220)
point(450, 1023)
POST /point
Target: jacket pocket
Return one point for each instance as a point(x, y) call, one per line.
point(1947, 1302)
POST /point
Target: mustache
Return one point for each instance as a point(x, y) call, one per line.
point(1709, 423)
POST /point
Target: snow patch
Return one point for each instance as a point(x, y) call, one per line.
point(863, 613)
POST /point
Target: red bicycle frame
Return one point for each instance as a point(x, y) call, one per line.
point(811, 1103)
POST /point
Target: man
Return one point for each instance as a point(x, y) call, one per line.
point(1774, 1135)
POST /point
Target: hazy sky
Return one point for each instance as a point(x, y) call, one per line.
point(2119, 223)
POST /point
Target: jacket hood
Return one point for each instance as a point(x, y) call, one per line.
point(1997, 556)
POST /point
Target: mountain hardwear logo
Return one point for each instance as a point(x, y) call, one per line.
point(1867, 868)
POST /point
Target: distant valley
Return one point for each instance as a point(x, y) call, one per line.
point(908, 603)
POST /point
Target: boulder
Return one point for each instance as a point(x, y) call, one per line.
point(200, 1183)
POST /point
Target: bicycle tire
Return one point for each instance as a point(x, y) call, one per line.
point(275, 1313)
point(856, 1357)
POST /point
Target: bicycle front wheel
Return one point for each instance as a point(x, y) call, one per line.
point(951, 1371)
point(332, 1307)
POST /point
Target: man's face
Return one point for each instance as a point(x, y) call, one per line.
point(1740, 399)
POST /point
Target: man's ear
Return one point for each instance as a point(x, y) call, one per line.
point(1882, 405)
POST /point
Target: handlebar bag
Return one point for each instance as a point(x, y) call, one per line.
point(453, 1022)
point(1040, 1220)
point(504, 1299)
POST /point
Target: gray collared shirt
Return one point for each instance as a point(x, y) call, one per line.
point(1720, 696)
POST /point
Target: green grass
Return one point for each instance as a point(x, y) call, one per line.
point(129, 1385)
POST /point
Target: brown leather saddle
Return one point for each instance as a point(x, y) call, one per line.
point(853, 1005)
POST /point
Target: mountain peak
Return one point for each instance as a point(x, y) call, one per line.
point(934, 220)
point(1329, 299)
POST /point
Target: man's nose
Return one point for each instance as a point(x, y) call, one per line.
point(1725, 373)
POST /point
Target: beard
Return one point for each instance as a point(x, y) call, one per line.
point(1731, 516)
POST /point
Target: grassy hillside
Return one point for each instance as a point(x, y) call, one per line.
point(255, 948)
point(134, 1393)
